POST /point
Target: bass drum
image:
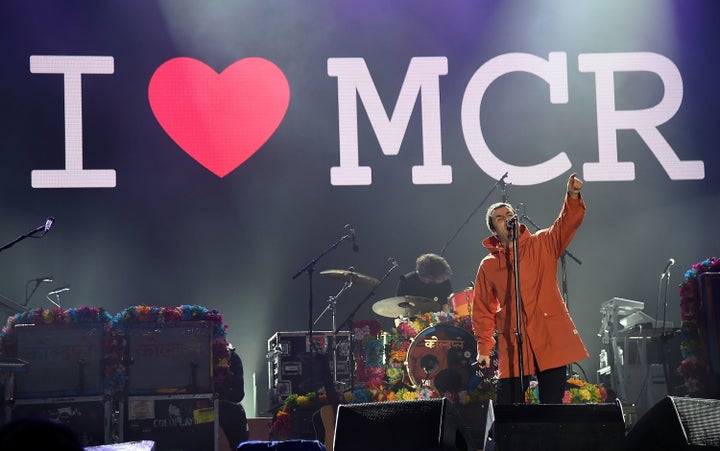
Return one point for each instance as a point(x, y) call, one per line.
point(440, 357)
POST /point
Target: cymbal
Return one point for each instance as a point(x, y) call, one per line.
point(399, 306)
point(350, 276)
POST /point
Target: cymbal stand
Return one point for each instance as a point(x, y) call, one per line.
point(349, 320)
point(332, 307)
point(309, 268)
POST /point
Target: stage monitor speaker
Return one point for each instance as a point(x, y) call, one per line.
point(556, 427)
point(677, 423)
point(432, 424)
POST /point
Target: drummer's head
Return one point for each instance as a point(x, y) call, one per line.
point(504, 210)
point(432, 268)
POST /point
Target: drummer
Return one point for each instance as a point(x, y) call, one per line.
point(431, 279)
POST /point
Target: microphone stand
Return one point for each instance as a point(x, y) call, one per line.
point(514, 229)
point(501, 183)
point(309, 268)
point(563, 269)
point(349, 319)
point(664, 336)
point(332, 306)
point(31, 234)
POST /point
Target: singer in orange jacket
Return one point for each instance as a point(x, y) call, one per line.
point(550, 340)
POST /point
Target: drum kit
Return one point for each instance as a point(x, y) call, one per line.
point(441, 355)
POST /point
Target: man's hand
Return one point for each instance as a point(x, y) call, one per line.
point(483, 361)
point(574, 186)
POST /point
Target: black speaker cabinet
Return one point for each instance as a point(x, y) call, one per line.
point(89, 417)
point(678, 424)
point(556, 427)
point(432, 424)
point(173, 422)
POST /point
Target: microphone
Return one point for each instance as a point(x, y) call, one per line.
point(353, 237)
point(59, 290)
point(503, 186)
point(45, 227)
point(670, 262)
point(512, 223)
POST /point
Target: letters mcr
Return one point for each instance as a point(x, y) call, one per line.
point(422, 81)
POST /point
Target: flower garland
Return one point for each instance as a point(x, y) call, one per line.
point(578, 391)
point(114, 337)
point(385, 383)
point(694, 366)
point(368, 350)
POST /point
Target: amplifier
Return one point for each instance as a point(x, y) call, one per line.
point(182, 350)
point(63, 360)
point(293, 367)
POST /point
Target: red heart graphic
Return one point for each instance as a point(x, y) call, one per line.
point(220, 120)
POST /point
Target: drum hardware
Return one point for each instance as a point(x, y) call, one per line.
point(332, 306)
point(391, 266)
point(309, 269)
point(405, 306)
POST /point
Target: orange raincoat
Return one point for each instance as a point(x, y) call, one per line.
point(549, 334)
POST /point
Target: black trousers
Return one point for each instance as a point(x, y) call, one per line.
point(551, 387)
point(233, 422)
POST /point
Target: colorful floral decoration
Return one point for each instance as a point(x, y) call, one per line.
point(391, 386)
point(368, 354)
point(694, 365)
point(146, 313)
point(112, 368)
point(282, 427)
point(114, 338)
point(386, 383)
point(577, 391)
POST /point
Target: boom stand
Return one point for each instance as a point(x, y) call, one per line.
point(37, 232)
point(349, 319)
point(500, 183)
point(309, 268)
point(664, 336)
point(332, 306)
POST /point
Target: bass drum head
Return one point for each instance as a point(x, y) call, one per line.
point(441, 356)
